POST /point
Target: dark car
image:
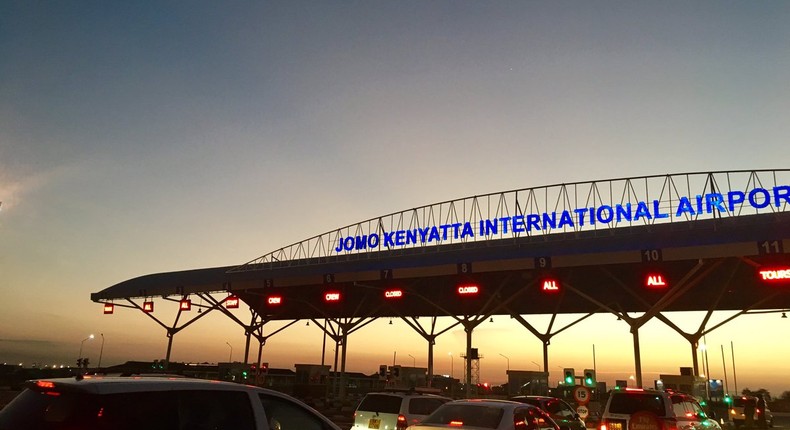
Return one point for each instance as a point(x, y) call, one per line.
point(559, 410)
point(155, 403)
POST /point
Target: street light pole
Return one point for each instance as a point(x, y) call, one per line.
point(508, 361)
point(536, 364)
point(451, 365)
point(101, 351)
point(230, 357)
point(413, 361)
point(83, 343)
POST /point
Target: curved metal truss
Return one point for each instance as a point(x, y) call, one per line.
point(533, 212)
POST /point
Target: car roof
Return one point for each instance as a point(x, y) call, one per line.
point(536, 397)
point(407, 393)
point(119, 384)
point(490, 402)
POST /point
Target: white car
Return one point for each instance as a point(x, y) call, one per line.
point(155, 403)
point(648, 409)
point(487, 414)
point(395, 409)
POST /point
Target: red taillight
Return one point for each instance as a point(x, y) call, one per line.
point(402, 423)
point(45, 384)
point(455, 423)
point(603, 425)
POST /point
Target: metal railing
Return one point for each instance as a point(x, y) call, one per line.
point(539, 211)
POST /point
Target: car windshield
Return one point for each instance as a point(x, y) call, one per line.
point(483, 416)
point(631, 402)
point(381, 403)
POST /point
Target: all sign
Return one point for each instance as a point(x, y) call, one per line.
point(655, 280)
point(550, 286)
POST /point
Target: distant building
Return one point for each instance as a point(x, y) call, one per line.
point(527, 382)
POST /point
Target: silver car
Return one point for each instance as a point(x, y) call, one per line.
point(487, 414)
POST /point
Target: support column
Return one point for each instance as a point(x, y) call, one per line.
point(170, 334)
point(546, 343)
point(334, 369)
point(637, 356)
point(343, 383)
point(247, 345)
point(468, 376)
point(431, 343)
point(258, 380)
point(695, 363)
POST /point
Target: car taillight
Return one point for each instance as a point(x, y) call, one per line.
point(402, 423)
point(45, 384)
point(603, 425)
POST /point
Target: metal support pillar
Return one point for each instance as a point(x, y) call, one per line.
point(171, 332)
point(637, 356)
point(336, 374)
point(248, 334)
point(431, 343)
point(546, 344)
point(343, 377)
point(468, 376)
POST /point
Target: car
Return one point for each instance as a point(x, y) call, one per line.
point(488, 414)
point(560, 411)
point(647, 409)
point(396, 409)
point(737, 411)
point(155, 403)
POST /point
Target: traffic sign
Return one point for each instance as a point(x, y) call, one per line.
point(582, 411)
point(581, 395)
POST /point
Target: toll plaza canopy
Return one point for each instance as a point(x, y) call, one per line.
point(691, 241)
point(704, 241)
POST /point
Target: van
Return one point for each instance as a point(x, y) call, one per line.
point(644, 409)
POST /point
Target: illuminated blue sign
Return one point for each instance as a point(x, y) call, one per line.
point(610, 215)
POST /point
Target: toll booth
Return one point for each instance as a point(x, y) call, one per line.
point(527, 382)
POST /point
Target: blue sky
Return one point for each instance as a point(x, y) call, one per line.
point(144, 137)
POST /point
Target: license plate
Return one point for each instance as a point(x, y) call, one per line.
point(616, 426)
point(374, 423)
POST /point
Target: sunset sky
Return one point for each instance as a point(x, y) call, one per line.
point(145, 137)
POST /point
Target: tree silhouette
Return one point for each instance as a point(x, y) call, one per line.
point(762, 391)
